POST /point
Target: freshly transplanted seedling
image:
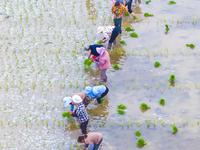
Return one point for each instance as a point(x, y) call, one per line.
point(126, 14)
point(171, 3)
point(123, 42)
point(121, 112)
point(147, 2)
point(192, 46)
point(172, 78)
point(174, 129)
point(66, 114)
point(167, 27)
point(157, 64)
point(134, 35)
point(162, 102)
point(144, 106)
point(87, 63)
point(121, 106)
point(148, 15)
point(116, 67)
point(129, 29)
point(138, 133)
point(141, 142)
point(102, 100)
point(99, 42)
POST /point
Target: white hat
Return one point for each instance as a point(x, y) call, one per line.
point(76, 99)
point(67, 101)
point(86, 47)
point(99, 29)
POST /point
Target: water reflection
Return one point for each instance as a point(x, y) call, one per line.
point(91, 10)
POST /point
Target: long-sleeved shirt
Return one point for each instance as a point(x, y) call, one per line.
point(93, 138)
point(119, 11)
point(104, 61)
point(93, 49)
point(81, 113)
point(107, 31)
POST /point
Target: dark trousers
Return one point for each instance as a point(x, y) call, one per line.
point(96, 146)
point(102, 95)
point(116, 31)
point(129, 6)
point(118, 22)
point(84, 127)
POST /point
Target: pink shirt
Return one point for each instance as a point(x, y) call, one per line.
point(93, 138)
point(104, 61)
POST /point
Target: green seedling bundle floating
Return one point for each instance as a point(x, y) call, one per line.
point(129, 29)
point(148, 15)
point(190, 45)
point(66, 114)
point(121, 112)
point(174, 129)
point(144, 106)
point(126, 14)
point(123, 42)
point(157, 64)
point(99, 42)
point(87, 63)
point(138, 133)
point(121, 106)
point(162, 102)
point(147, 2)
point(134, 35)
point(172, 78)
point(171, 3)
point(116, 67)
point(167, 27)
point(141, 142)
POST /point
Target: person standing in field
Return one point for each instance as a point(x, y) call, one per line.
point(81, 114)
point(110, 33)
point(92, 139)
point(118, 11)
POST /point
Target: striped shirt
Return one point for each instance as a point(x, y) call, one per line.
point(81, 113)
point(104, 61)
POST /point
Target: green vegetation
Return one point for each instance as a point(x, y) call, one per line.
point(66, 114)
point(134, 35)
point(121, 106)
point(174, 129)
point(157, 64)
point(102, 100)
point(172, 78)
point(148, 15)
point(126, 14)
point(129, 29)
point(171, 3)
point(141, 142)
point(190, 45)
point(137, 133)
point(99, 42)
point(123, 42)
point(116, 67)
point(144, 106)
point(162, 102)
point(121, 112)
point(167, 27)
point(87, 63)
point(147, 2)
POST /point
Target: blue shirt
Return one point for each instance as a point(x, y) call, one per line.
point(93, 49)
point(122, 1)
point(95, 91)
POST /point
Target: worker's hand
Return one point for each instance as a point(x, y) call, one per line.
point(92, 98)
point(94, 61)
point(71, 112)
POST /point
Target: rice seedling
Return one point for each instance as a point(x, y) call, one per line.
point(198, 122)
point(172, 78)
point(87, 63)
point(123, 42)
point(102, 100)
point(129, 29)
point(171, 3)
point(121, 112)
point(141, 142)
point(121, 106)
point(148, 15)
point(116, 67)
point(157, 64)
point(134, 35)
point(162, 102)
point(174, 129)
point(148, 122)
point(192, 46)
point(99, 42)
point(138, 133)
point(66, 114)
point(138, 124)
point(167, 27)
point(100, 124)
point(147, 2)
point(126, 14)
point(144, 106)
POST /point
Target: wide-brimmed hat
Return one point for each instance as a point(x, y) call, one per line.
point(86, 47)
point(67, 101)
point(99, 29)
point(76, 99)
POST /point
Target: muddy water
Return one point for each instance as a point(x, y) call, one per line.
point(42, 61)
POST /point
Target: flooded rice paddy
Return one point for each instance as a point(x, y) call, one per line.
point(42, 61)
